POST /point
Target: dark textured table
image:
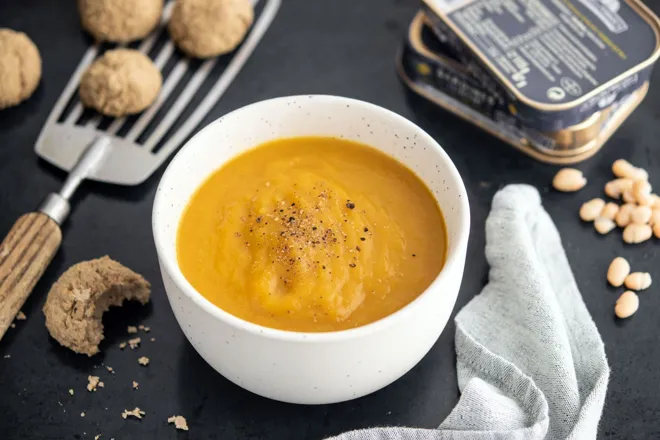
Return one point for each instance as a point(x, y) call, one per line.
point(342, 47)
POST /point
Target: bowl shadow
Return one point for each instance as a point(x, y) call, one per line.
point(421, 398)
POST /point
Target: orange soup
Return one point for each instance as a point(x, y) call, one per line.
point(312, 234)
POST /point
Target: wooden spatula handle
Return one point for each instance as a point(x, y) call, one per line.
point(25, 253)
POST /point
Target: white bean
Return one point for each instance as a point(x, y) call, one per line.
point(656, 201)
point(623, 168)
point(623, 217)
point(591, 209)
point(634, 233)
point(628, 196)
point(642, 192)
point(616, 187)
point(638, 281)
point(626, 305)
point(655, 217)
point(604, 225)
point(618, 271)
point(610, 210)
point(569, 180)
point(641, 215)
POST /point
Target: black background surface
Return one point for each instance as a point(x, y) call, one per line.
point(342, 47)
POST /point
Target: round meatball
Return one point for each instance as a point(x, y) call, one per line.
point(121, 82)
point(120, 21)
point(20, 67)
point(207, 28)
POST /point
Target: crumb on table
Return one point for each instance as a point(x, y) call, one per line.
point(20, 316)
point(134, 343)
point(137, 413)
point(143, 361)
point(132, 329)
point(179, 422)
point(93, 382)
point(135, 385)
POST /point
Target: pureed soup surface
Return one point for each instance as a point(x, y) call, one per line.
point(312, 234)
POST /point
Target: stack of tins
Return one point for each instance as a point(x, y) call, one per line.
point(553, 78)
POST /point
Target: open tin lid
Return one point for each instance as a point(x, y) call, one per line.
point(554, 55)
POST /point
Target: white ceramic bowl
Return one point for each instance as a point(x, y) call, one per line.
point(311, 368)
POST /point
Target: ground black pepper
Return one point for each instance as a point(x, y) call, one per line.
point(294, 228)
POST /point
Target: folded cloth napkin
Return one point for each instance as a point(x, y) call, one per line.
point(531, 364)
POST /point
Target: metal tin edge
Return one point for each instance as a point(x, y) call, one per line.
point(414, 37)
point(561, 157)
point(612, 125)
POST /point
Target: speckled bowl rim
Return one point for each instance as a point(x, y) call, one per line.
point(453, 257)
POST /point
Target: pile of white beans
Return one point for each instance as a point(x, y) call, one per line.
point(638, 215)
point(619, 274)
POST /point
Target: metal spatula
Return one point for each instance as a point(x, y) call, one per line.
point(123, 151)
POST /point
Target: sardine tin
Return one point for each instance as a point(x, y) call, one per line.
point(557, 61)
point(441, 78)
